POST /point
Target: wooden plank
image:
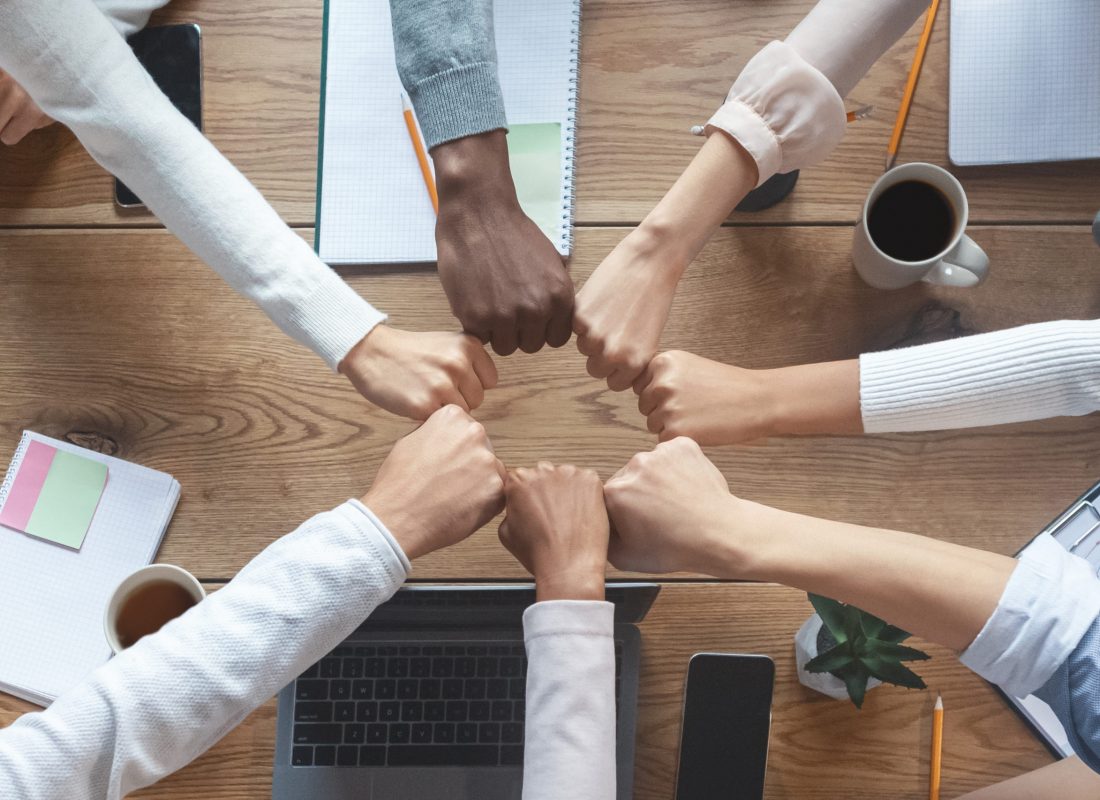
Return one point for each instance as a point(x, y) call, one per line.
point(650, 69)
point(122, 340)
point(820, 748)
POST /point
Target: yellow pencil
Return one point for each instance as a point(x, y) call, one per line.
point(937, 751)
point(421, 156)
point(911, 85)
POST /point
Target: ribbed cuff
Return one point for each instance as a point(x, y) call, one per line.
point(332, 320)
point(1050, 602)
point(569, 618)
point(459, 102)
point(357, 510)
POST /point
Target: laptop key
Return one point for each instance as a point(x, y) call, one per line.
point(325, 733)
point(519, 710)
point(502, 711)
point(311, 690)
point(389, 711)
point(486, 667)
point(355, 733)
point(467, 732)
point(465, 667)
point(443, 667)
point(311, 672)
point(362, 690)
point(410, 650)
point(347, 756)
point(457, 711)
point(430, 689)
point(385, 690)
point(345, 712)
point(488, 733)
point(364, 651)
point(480, 710)
point(312, 711)
point(517, 688)
point(407, 688)
point(422, 733)
point(412, 711)
point(511, 755)
point(372, 756)
point(511, 732)
point(452, 689)
point(398, 668)
point(366, 711)
point(353, 668)
point(374, 667)
point(376, 733)
point(475, 688)
point(443, 733)
point(324, 756)
point(435, 711)
point(435, 755)
point(497, 689)
point(340, 690)
point(400, 733)
point(510, 667)
point(420, 667)
point(301, 757)
point(330, 668)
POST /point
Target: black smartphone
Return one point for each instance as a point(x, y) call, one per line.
point(172, 55)
point(727, 720)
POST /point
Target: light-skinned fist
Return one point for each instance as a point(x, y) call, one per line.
point(19, 114)
point(556, 526)
point(415, 374)
point(439, 484)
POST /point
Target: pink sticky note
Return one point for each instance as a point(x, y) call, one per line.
point(27, 485)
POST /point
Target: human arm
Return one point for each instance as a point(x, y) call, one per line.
point(556, 525)
point(159, 704)
point(784, 112)
point(505, 281)
point(81, 72)
point(1068, 779)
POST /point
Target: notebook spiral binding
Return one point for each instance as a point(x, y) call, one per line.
point(569, 147)
point(16, 460)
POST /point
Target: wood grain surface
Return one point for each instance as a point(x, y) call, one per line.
point(123, 340)
point(650, 69)
point(821, 749)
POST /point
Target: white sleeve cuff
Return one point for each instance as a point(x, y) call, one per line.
point(1049, 603)
point(382, 530)
point(783, 111)
point(569, 617)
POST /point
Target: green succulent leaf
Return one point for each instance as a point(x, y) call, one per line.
point(852, 626)
point(872, 626)
point(832, 660)
point(892, 672)
point(832, 614)
point(855, 680)
point(897, 652)
point(893, 634)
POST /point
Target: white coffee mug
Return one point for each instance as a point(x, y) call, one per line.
point(154, 573)
point(960, 263)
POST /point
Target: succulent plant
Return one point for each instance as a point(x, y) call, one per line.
point(862, 647)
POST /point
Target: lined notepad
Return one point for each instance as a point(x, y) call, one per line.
point(372, 205)
point(1025, 81)
point(53, 597)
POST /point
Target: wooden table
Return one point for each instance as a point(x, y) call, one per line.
point(112, 335)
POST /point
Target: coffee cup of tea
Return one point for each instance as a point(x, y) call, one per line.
point(147, 600)
point(913, 229)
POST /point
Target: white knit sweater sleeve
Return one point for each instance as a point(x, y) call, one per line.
point(129, 16)
point(74, 64)
point(786, 107)
point(1049, 369)
point(570, 747)
point(161, 703)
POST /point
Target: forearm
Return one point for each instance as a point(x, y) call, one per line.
point(129, 16)
point(1068, 779)
point(83, 74)
point(158, 705)
point(446, 57)
point(570, 724)
point(812, 399)
point(940, 591)
point(1032, 372)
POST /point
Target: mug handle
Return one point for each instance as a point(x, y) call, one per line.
point(965, 266)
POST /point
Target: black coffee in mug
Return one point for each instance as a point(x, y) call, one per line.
point(911, 221)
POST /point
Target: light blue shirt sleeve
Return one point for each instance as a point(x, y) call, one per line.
point(1073, 693)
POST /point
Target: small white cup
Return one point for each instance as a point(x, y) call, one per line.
point(154, 573)
point(961, 263)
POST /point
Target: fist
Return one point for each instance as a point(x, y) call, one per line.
point(682, 394)
point(439, 484)
point(556, 526)
point(19, 114)
point(671, 510)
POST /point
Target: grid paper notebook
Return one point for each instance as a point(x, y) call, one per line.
point(53, 598)
point(372, 205)
point(1025, 81)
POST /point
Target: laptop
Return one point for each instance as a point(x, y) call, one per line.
point(426, 700)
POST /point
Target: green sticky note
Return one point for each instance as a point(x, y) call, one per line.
point(534, 152)
point(68, 500)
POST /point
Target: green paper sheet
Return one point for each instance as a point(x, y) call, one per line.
point(534, 152)
point(69, 497)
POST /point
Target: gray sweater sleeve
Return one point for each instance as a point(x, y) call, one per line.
point(447, 59)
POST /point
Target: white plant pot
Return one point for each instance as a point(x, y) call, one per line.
point(805, 648)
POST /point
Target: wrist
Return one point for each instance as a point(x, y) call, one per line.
point(475, 168)
point(402, 523)
point(570, 584)
point(813, 399)
point(738, 546)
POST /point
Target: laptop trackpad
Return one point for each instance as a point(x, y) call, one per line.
point(435, 783)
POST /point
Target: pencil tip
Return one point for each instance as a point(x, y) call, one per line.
point(889, 161)
point(939, 702)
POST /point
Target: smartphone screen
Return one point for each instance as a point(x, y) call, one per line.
point(727, 718)
point(172, 56)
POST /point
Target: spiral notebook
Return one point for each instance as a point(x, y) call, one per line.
point(1025, 81)
point(53, 592)
point(372, 205)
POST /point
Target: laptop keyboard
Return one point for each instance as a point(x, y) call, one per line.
point(400, 705)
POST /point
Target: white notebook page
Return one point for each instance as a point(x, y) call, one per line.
point(1025, 81)
point(53, 598)
point(373, 206)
